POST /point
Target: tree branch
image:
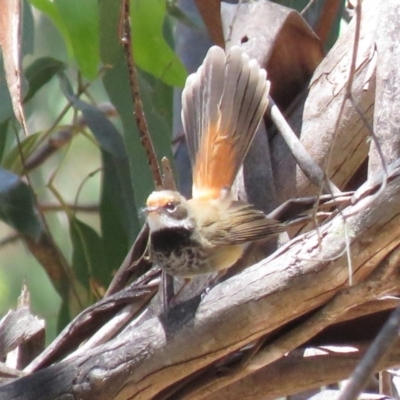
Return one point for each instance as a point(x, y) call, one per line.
point(299, 278)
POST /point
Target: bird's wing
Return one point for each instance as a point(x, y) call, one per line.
point(222, 106)
point(241, 223)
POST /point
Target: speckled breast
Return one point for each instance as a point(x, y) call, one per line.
point(175, 251)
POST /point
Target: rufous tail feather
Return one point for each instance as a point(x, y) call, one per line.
point(222, 106)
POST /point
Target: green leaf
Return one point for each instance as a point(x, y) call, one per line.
point(12, 161)
point(28, 29)
point(49, 8)
point(40, 72)
point(17, 206)
point(104, 131)
point(156, 97)
point(88, 259)
point(118, 213)
point(151, 51)
point(119, 93)
point(81, 20)
point(6, 110)
point(193, 21)
point(78, 22)
point(3, 137)
point(116, 208)
point(64, 315)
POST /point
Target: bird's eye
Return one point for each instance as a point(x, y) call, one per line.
point(170, 207)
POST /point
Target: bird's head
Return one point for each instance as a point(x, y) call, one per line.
point(167, 209)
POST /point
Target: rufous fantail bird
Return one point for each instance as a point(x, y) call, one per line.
point(222, 106)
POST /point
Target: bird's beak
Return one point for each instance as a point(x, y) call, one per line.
point(149, 210)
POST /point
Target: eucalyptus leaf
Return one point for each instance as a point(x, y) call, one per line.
point(28, 28)
point(17, 205)
point(3, 137)
point(118, 213)
point(64, 315)
point(77, 22)
point(104, 131)
point(49, 8)
point(6, 110)
point(40, 72)
point(12, 160)
point(88, 259)
point(191, 21)
point(81, 22)
point(313, 15)
point(151, 51)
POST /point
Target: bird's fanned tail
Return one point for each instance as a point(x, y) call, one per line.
point(222, 106)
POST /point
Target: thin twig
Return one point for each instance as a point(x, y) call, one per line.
point(305, 9)
point(60, 116)
point(87, 208)
point(62, 138)
point(347, 96)
point(145, 138)
point(348, 252)
point(307, 164)
point(78, 192)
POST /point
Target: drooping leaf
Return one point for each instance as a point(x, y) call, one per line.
point(152, 52)
point(17, 206)
point(323, 16)
point(59, 272)
point(3, 138)
point(119, 93)
point(64, 315)
point(156, 97)
point(104, 131)
point(49, 8)
point(12, 161)
point(28, 28)
point(40, 72)
point(81, 20)
point(78, 23)
point(116, 235)
point(88, 260)
point(10, 43)
point(118, 213)
point(6, 109)
point(192, 21)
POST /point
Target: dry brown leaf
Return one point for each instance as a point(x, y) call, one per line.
point(10, 40)
point(279, 39)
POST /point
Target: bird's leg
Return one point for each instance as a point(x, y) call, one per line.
point(168, 290)
point(175, 299)
point(216, 279)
